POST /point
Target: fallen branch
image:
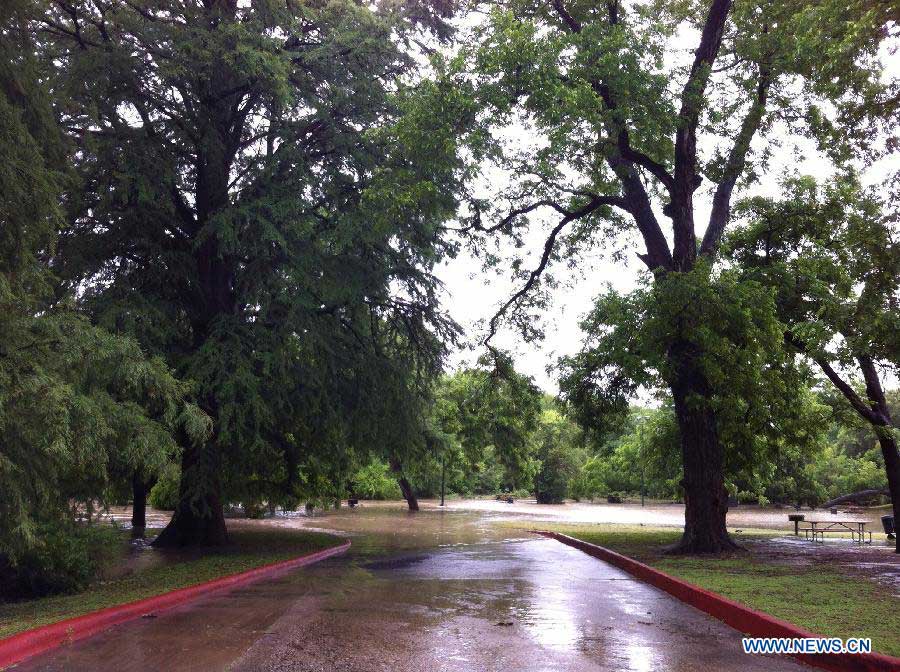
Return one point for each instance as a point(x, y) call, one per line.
point(854, 496)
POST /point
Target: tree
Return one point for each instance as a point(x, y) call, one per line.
point(494, 407)
point(75, 401)
point(759, 394)
point(619, 128)
point(831, 255)
point(638, 457)
point(253, 210)
point(555, 442)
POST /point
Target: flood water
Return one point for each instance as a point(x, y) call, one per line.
point(453, 590)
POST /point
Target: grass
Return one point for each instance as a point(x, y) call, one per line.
point(821, 599)
point(248, 549)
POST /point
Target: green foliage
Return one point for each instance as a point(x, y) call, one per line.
point(248, 549)
point(375, 481)
point(831, 256)
point(759, 395)
point(601, 93)
point(556, 440)
point(625, 136)
point(262, 210)
point(164, 493)
point(833, 473)
point(828, 251)
point(488, 415)
point(644, 453)
point(67, 557)
point(79, 407)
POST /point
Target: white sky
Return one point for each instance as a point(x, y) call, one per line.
point(472, 296)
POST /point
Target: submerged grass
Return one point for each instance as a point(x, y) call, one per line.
point(822, 599)
point(248, 549)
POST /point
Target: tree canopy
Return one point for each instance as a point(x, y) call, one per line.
point(621, 126)
point(75, 400)
point(221, 224)
point(254, 210)
point(831, 255)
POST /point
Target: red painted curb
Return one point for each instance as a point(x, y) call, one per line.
point(18, 647)
point(738, 616)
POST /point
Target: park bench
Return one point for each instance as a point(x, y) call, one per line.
point(817, 529)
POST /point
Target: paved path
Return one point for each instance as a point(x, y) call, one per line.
point(435, 592)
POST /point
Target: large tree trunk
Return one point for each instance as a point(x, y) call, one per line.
point(140, 489)
point(892, 466)
point(705, 497)
point(883, 424)
point(199, 519)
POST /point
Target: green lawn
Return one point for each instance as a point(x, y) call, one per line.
point(248, 549)
point(821, 599)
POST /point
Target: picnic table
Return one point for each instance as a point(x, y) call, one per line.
point(819, 528)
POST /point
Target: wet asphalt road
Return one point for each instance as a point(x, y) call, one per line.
point(435, 591)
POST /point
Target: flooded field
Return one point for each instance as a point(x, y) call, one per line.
point(664, 514)
point(630, 513)
point(451, 589)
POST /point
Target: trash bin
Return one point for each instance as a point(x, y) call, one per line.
point(796, 519)
point(887, 522)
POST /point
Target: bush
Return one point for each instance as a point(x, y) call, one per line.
point(65, 559)
point(164, 495)
point(551, 482)
point(375, 481)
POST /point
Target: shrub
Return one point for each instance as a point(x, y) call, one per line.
point(375, 481)
point(551, 482)
point(66, 558)
point(164, 495)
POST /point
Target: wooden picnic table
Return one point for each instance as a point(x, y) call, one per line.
point(856, 528)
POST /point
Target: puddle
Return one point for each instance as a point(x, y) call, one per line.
point(447, 590)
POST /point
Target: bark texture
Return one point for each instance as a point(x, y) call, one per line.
point(705, 496)
point(199, 519)
point(408, 494)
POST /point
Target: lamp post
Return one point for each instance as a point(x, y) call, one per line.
point(642, 483)
point(442, 477)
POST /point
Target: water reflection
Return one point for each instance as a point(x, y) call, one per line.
point(551, 622)
point(640, 657)
point(447, 591)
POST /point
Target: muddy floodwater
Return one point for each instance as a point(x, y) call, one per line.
point(452, 589)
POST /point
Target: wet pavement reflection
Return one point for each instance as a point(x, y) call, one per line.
point(439, 590)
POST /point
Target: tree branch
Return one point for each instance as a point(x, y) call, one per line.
point(721, 208)
point(638, 205)
point(695, 87)
point(874, 390)
point(858, 404)
point(573, 25)
point(624, 160)
point(506, 221)
point(550, 243)
point(686, 179)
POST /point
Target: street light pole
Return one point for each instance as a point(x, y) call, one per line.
point(642, 483)
point(442, 479)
